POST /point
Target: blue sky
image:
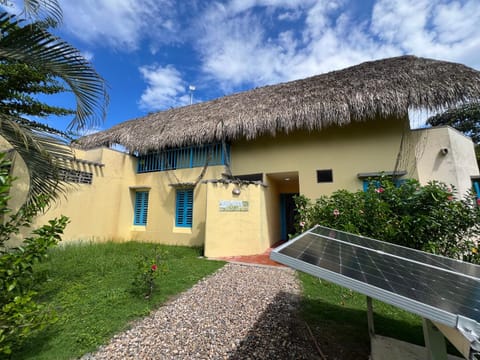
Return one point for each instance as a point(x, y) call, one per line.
point(150, 51)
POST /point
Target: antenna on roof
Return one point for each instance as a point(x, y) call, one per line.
point(192, 89)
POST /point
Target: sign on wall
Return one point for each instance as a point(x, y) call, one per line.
point(233, 205)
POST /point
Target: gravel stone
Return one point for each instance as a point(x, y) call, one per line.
point(239, 312)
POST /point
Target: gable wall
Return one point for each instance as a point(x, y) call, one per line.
point(358, 148)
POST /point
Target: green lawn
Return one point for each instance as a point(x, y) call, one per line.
point(89, 286)
point(338, 307)
point(337, 312)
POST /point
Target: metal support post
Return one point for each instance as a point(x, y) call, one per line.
point(371, 328)
point(434, 341)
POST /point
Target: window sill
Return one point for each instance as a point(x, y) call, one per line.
point(182, 230)
point(139, 228)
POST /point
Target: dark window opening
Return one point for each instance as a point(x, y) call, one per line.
point(250, 177)
point(324, 176)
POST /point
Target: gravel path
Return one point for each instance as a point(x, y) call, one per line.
point(240, 312)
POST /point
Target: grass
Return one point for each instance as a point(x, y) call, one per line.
point(341, 315)
point(90, 287)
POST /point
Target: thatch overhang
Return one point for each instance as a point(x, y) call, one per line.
point(383, 88)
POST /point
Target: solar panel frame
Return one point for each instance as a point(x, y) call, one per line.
point(425, 310)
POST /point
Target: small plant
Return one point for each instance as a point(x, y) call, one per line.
point(148, 270)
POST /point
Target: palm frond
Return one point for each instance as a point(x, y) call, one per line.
point(40, 151)
point(34, 45)
point(49, 10)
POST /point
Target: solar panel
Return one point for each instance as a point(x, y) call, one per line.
point(434, 287)
point(401, 251)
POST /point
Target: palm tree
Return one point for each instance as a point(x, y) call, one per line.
point(27, 40)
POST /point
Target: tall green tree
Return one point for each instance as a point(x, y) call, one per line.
point(465, 118)
point(19, 85)
point(26, 39)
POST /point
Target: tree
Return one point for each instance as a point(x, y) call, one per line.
point(19, 83)
point(26, 40)
point(465, 118)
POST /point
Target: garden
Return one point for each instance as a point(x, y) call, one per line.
point(64, 300)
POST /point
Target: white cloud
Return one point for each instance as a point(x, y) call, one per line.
point(165, 88)
point(121, 24)
point(447, 31)
point(245, 43)
point(240, 46)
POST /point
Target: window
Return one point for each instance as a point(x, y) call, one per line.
point(377, 183)
point(181, 158)
point(476, 188)
point(184, 208)
point(324, 176)
point(141, 208)
point(75, 176)
point(375, 178)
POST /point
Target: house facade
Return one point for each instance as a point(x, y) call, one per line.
point(120, 197)
point(227, 183)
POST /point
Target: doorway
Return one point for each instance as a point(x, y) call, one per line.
point(287, 215)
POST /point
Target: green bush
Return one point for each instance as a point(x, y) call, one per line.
point(21, 314)
point(148, 269)
point(428, 218)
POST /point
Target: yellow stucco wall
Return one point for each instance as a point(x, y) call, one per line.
point(361, 147)
point(98, 211)
point(231, 233)
point(104, 210)
point(161, 213)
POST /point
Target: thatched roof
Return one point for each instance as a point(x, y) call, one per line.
point(383, 88)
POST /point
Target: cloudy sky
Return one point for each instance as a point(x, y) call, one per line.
point(151, 51)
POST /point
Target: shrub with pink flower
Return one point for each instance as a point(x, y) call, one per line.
point(426, 217)
point(148, 270)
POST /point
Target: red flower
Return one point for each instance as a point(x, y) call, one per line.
point(478, 201)
point(154, 267)
point(380, 190)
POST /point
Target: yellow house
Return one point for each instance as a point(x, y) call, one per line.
point(221, 174)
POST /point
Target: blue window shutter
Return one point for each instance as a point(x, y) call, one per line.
point(189, 207)
point(476, 185)
point(184, 208)
point(141, 208)
point(365, 185)
point(179, 208)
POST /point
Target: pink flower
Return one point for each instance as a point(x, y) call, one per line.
point(154, 267)
point(478, 201)
point(380, 190)
point(302, 224)
point(336, 212)
point(450, 198)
